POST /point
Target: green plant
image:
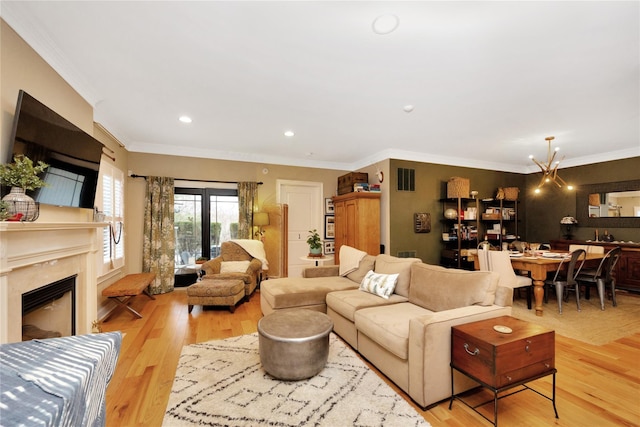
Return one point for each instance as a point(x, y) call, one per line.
point(22, 173)
point(4, 210)
point(313, 239)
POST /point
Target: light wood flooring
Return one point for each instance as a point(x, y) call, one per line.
point(596, 385)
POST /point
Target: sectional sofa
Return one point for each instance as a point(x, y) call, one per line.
point(406, 334)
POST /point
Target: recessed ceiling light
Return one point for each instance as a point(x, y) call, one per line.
point(185, 119)
point(408, 108)
point(385, 24)
point(289, 133)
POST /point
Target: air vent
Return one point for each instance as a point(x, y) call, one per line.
point(407, 254)
point(406, 179)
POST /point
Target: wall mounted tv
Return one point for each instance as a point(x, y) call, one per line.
point(73, 156)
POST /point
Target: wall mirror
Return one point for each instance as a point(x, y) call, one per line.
point(611, 204)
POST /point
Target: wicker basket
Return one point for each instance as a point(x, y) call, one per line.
point(458, 187)
point(594, 199)
point(511, 193)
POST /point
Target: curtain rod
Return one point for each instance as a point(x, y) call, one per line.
point(133, 175)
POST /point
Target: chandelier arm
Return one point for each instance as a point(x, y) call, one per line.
point(542, 181)
point(542, 168)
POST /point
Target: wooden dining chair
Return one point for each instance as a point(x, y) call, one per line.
point(564, 279)
point(500, 262)
point(602, 276)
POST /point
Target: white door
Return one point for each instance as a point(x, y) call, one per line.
point(306, 207)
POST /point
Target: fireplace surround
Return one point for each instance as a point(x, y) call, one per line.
point(34, 254)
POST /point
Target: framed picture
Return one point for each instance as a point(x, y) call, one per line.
point(328, 206)
point(422, 222)
point(329, 227)
point(329, 247)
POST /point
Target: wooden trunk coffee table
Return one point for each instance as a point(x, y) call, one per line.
point(502, 353)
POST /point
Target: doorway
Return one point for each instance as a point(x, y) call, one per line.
point(305, 202)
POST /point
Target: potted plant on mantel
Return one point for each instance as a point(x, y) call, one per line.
point(21, 175)
point(315, 244)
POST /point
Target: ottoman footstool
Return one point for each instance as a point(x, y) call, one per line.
point(215, 292)
point(294, 344)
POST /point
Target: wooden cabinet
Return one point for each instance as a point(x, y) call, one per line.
point(627, 271)
point(357, 222)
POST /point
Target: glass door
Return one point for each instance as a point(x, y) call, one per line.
point(204, 218)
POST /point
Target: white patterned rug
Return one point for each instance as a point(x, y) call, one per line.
point(222, 383)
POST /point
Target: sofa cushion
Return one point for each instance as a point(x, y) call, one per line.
point(289, 292)
point(387, 264)
point(367, 263)
point(234, 266)
point(437, 288)
point(345, 303)
point(389, 325)
point(379, 284)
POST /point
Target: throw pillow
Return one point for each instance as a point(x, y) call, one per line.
point(367, 263)
point(388, 264)
point(234, 266)
point(379, 284)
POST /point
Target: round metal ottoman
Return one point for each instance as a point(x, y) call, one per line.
point(294, 344)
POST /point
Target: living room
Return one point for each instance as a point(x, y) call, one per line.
point(23, 68)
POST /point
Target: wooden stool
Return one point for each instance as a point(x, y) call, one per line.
point(215, 292)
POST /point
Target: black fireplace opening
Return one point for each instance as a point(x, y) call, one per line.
point(50, 311)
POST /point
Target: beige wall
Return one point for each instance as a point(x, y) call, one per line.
point(190, 168)
point(22, 68)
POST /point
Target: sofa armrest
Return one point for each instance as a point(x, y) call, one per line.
point(430, 351)
point(212, 266)
point(321, 271)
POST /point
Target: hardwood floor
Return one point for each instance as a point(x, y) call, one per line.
point(596, 385)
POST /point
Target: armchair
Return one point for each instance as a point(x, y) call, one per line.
point(234, 262)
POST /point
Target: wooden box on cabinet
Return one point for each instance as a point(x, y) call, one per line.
point(345, 182)
point(357, 222)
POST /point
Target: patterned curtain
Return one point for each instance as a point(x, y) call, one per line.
point(159, 238)
point(246, 197)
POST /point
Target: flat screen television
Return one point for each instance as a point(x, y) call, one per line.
point(73, 155)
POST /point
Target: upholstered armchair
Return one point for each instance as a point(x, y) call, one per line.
point(234, 262)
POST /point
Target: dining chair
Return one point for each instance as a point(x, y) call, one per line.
point(563, 280)
point(500, 262)
point(602, 276)
point(590, 249)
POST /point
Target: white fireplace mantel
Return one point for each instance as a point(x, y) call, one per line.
point(33, 254)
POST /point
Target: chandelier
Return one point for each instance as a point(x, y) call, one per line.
point(550, 169)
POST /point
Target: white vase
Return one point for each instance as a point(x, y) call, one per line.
point(18, 202)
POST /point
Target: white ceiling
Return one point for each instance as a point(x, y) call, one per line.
point(488, 80)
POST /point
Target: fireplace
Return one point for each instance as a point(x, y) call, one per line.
point(50, 311)
point(36, 254)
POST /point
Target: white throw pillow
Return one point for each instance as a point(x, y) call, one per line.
point(234, 266)
point(379, 284)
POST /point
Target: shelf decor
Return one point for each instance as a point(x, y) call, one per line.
point(458, 187)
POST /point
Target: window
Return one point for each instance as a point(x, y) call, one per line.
point(110, 200)
point(204, 217)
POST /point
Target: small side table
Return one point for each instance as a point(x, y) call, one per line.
point(317, 258)
point(502, 353)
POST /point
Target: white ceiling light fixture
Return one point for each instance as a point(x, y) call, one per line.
point(185, 119)
point(408, 108)
point(550, 169)
point(289, 133)
point(385, 24)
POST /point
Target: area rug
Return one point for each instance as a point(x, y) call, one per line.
point(222, 383)
point(591, 325)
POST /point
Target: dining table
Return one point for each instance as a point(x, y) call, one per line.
point(539, 266)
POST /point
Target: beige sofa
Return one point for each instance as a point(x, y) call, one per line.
point(408, 336)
